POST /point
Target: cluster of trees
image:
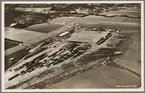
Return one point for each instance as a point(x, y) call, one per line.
point(71, 7)
point(11, 15)
point(27, 18)
point(31, 18)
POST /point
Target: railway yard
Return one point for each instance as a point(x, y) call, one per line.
point(95, 51)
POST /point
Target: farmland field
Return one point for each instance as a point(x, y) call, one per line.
point(44, 27)
point(124, 12)
point(132, 58)
point(21, 35)
point(110, 22)
point(67, 20)
point(116, 25)
point(96, 19)
point(101, 77)
point(128, 11)
point(9, 45)
point(17, 55)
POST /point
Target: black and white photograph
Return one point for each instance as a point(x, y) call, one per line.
point(72, 46)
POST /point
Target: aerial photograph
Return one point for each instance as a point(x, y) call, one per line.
point(72, 46)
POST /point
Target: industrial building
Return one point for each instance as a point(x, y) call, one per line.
point(88, 36)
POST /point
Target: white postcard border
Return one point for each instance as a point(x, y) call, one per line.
point(73, 90)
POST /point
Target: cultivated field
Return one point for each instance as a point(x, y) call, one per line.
point(99, 77)
point(9, 45)
point(110, 22)
point(97, 19)
point(134, 12)
point(44, 27)
point(132, 58)
point(111, 25)
point(21, 35)
point(64, 20)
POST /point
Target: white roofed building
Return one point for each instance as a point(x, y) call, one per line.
point(88, 36)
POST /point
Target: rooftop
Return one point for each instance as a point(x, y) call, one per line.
point(87, 36)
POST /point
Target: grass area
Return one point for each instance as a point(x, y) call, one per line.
point(86, 59)
point(96, 19)
point(44, 27)
point(17, 55)
point(110, 22)
point(111, 25)
point(9, 45)
point(132, 56)
point(124, 12)
point(100, 77)
point(67, 20)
